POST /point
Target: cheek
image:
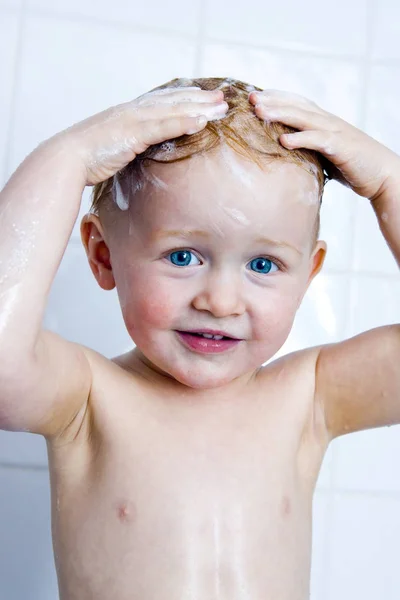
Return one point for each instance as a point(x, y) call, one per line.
point(152, 305)
point(276, 314)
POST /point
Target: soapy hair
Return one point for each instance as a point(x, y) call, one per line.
point(240, 129)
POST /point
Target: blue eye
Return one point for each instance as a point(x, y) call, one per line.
point(181, 258)
point(262, 265)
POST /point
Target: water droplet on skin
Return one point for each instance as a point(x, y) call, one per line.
point(385, 217)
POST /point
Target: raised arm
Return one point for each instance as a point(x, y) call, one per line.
point(357, 381)
point(45, 380)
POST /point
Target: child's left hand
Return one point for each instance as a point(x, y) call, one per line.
point(361, 162)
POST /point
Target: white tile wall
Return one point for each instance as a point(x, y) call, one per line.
point(10, 4)
point(26, 557)
point(77, 58)
point(321, 520)
point(174, 15)
point(321, 317)
point(304, 26)
point(61, 81)
point(364, 548)
point(9, 22)
point(333, 83)
point(387, 29)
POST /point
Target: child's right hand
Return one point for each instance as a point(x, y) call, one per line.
point(108, 141)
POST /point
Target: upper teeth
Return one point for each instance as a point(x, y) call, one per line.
point(214, 337)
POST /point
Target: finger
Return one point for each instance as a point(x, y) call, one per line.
point(294, 116)
point(320, 141)
point(172, 95)
point(213, 110)
point(159, 130)
point(280, 96)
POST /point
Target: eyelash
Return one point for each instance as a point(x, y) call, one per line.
point(277, 262)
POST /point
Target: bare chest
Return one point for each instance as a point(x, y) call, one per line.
point(216, 505)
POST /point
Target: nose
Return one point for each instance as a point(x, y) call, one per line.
point(221, 294)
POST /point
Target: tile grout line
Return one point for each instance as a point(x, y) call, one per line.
point(14, 87)
point(348, 328)
point(137, 28)
point(198, 59)
point(134, 27)
point(22, 466)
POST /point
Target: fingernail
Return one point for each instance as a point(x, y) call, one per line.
point(199, 123)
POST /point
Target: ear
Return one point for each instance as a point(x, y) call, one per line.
point(98, 253)
point(317, 260)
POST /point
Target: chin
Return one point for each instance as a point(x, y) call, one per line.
point(201, 378)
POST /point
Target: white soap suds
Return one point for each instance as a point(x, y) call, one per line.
point(148, 96)
point(236, 214)
point(156, 181)
point(118, 195)
point(168, 147)
point(233, 164)
point(227, 81)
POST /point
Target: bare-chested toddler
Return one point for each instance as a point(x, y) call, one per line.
point(185, 468)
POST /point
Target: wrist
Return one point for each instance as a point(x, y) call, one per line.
point(62, 154)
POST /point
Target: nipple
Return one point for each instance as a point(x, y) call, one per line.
point(126, 511)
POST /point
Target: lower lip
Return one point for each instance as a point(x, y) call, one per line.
point(206, 345)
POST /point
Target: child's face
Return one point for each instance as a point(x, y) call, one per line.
point(233, 203)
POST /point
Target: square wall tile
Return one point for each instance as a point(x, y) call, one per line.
point(174, 15)
point(303, 26)
point(9, 24)
point(320, 520)
point(337, 217)
point(375, 301)
point(364, 548)
point(383, 117)
point(386, 32)
point(368, 460)
point(325, 474)
point(27, 569)
point(80, 311)
point(89, 68)
point(12, 4)
point(371, 251)
point(335, 85)
point(20, 448)
point(321, 316)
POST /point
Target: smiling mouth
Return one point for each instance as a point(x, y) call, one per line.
point(208, 336)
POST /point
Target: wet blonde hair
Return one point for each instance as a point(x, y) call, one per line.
point(240, 129)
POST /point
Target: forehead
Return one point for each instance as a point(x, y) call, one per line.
point(227, 194)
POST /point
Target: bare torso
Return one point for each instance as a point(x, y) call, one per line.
point(158, 497)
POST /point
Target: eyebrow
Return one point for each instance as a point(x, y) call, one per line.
point(186, 233)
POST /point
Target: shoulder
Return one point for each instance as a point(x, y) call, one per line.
point(296, 367)
point(292, 378)
point(112, 382)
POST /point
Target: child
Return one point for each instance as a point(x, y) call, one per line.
point(185, 468)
